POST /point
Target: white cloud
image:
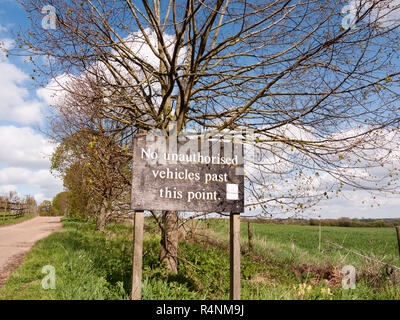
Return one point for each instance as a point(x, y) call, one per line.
point(5, 189)
point(386, 13)
point(140, 47)
point(24, 156)
point(41, 180)
point(358, 204)
point(23, 147)
point(370, 162)
point(5, 45)
point(40, 197)
point(16, 105)
point(24, 153)
point(54, 93)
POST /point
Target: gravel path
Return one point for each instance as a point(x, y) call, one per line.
point(17, 239)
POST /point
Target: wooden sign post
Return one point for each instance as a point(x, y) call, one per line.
point(235, 255)
point(192, 175)
point(137, 255)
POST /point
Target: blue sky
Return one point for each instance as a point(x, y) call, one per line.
point(24, 152)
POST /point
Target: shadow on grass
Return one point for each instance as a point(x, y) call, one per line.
point(110, 256)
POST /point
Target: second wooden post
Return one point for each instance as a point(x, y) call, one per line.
point(398, 236)
point(235, 255)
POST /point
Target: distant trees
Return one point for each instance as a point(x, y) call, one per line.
point(61, 205)
point(30, 204)
point(344, 222)
point(348, 222)
point(44, 209)
point(340, 222)
point(11, 196)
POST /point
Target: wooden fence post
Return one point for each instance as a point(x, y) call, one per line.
point(398, 237)
point(5, 212)
point(319, 236)
point(235, 256)
point(136, 293)
point(250, 236)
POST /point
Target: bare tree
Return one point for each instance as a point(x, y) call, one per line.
point(316, 94)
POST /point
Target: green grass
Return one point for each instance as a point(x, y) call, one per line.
point(379, 243)
point(14, 220)
point(95, 265)
point(294, 246)
point(88, 265)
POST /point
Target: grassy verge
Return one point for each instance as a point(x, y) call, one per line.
point(88, 265)
point(296, 248)
point(4, 222)
point(94, 265)
point(296, 244)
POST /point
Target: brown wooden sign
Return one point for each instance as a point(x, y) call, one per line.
point(190, 175)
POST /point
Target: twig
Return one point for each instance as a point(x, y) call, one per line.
point(361, 255)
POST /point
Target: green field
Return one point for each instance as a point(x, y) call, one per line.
point(94, 265)
point(377, 243)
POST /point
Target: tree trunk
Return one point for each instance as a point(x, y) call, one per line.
point(169, 240)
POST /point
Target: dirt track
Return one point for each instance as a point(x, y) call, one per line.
point(17, 239)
